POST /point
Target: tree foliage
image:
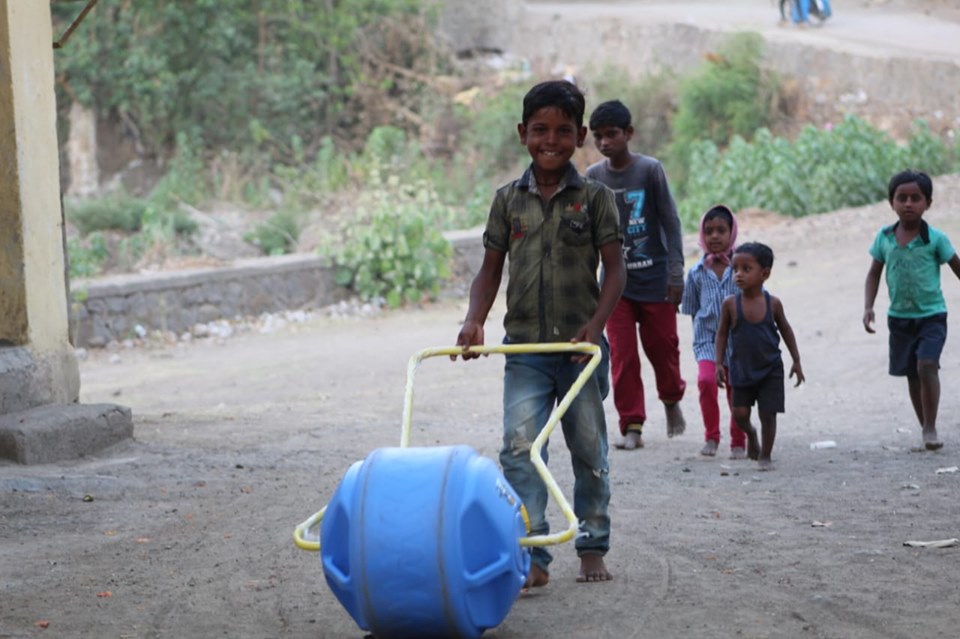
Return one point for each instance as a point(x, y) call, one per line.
point(246, 74)
point(821, 170)
point(730, 95)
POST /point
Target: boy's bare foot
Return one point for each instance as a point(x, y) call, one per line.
point(676, 424)
point(931, 441)
point(738, 452)
point(709, 449)
point(765, 464)
point(537, 578)
point(630, 441)
point(592, 569)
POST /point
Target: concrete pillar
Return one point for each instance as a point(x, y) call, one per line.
point(37, 362)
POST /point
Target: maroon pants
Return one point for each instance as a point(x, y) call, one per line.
point(710, 407)
point(657, 322)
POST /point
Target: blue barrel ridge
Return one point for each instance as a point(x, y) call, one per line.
point(424, 542)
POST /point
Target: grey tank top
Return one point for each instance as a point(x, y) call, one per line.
point(756, 348)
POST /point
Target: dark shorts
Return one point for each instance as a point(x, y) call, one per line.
point(768, 395)
point(915, 339)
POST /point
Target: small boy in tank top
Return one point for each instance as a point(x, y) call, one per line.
point(754, 322)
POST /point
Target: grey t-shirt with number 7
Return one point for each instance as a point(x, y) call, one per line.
point(652, 239)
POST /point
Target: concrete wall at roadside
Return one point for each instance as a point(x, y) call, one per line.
point(831, 81)
point(479, 25)
point(112, 308)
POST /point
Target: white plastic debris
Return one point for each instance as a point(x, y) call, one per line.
point(948, 470)
point(939, 543)
point(827, 443)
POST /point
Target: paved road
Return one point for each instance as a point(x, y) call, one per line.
point(857, 27)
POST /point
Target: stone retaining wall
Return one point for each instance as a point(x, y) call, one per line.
point(120, 307)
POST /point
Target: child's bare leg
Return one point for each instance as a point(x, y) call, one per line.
point(930, 402)
point(537, 578)
point(741, 415)
point(913, 384)
point(768, 432)
point(592, 568)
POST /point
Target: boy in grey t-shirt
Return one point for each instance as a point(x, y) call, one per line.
point(653, 252)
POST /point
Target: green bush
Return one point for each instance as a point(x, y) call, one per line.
point(85, 257)
point(489, 134)
point(821, 170)
point(116, 212)
point(278, 235)
point(154, 225)
point(730, 95)
point(185, 179)
point(248, 74)
point(396, 251)
point(652, 102)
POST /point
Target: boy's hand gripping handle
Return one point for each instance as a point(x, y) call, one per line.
point(535, 457)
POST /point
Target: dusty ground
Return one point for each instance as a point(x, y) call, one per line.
point(189, 527)
point(186, 530)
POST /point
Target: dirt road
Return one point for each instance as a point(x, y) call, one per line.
point(923, 29)
point(186, 531)
point(888, 62)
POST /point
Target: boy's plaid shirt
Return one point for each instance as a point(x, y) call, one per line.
point(553, 251)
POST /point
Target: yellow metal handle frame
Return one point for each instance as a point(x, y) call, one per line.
point(299, 533)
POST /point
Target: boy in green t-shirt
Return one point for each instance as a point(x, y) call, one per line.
point(913, 252)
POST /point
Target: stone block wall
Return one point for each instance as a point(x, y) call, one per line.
point(117, 308)
point(113, 308)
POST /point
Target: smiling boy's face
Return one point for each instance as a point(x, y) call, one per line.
point(551, 138)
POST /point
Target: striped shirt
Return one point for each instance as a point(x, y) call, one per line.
point(554, 250)
point(702, 296)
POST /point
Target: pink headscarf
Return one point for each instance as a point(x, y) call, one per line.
point(723, 258)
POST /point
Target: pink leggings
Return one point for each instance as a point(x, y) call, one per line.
point(710, 408)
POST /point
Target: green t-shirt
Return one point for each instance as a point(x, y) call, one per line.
point(913, 271)
point(552, 290)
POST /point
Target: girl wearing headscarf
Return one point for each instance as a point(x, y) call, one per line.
point(708, 283)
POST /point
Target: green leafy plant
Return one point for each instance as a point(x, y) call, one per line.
point(278, 235)
point(821, 170)
point(251, 77)
point(730, 95)
point(184, 181)
point(489, 136)
point(396, 252)
point(117, 212)
point(652, 102)
point(85, 257)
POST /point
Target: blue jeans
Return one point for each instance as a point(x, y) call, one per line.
point(532, 386)
point(804, 10)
